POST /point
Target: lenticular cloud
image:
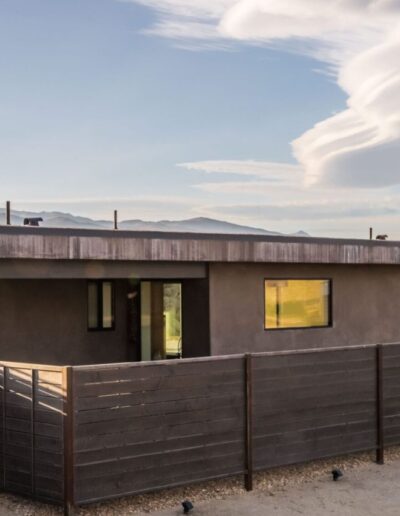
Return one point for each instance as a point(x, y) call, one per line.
point(360, 146)
point(358, 39)
point(361, 41)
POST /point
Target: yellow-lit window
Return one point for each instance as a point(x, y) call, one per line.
point(297, 303)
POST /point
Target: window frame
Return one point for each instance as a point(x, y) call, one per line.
point(330, 304)
point(100, 314)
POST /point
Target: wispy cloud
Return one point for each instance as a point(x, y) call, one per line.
point(143, 199)
point(309, 211)
point(360, 43)
point(261, 169)
point(275, 196)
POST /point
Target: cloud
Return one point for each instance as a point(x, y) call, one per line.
point(202, 9)
point(263, 169)
point(188, 19)
point(361, 145)
point(359, 40)
point(279, 199)
point(308, 211)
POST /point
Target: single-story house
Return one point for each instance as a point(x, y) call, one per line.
point(76, 296)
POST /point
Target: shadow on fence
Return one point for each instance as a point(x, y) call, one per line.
point(77, 435)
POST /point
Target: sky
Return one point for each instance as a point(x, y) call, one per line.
point(281, 114)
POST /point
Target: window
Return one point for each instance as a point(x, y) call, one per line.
point(101, 305)
point(297, 303)
point(161, 320)
point(172, 293)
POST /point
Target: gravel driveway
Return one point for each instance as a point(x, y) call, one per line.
point(370, 492)
point(365, 490)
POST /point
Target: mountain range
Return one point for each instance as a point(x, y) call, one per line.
point(55, 219)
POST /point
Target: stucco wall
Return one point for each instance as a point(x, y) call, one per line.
point(195, 318)
point(365, 306)
point(46, 322)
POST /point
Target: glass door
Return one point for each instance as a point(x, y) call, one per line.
point(161, 320)
point(172, 311)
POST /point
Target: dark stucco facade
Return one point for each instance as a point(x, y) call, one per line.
point(46, 321)
point(365, 307)
point(44, 275)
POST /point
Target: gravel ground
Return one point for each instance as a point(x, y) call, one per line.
point(270, 483)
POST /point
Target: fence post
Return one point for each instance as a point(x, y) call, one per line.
point(3, 423)
point(67, 376)
point(248, 373)
point(34, 373)
point(380, 449)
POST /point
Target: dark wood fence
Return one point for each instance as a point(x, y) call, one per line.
point(165, 424)
point(32, 419)
point(314, 405)
point(131, 428)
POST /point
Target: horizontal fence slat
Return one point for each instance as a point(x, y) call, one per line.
point(185, 406)
point(122, 483)
point(182, 368)
point(99, 452)
point(159, 396)
point(140, 385)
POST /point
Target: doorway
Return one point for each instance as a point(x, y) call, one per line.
point(160, 320)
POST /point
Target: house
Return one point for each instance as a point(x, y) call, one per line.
point(75, 296)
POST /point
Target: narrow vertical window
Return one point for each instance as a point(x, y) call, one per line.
point(101, 305)
point(93, 309)
point(172, 293)
point(107, 316)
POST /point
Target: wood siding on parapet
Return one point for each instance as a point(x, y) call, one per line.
point(58, 244)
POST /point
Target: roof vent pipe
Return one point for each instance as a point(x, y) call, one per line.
point(8, 213)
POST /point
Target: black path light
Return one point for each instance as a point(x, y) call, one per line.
point(336, 474)
point(187, 506)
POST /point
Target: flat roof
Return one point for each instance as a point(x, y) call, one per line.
point(24, 242)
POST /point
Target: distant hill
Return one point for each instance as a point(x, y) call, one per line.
point(55, 219)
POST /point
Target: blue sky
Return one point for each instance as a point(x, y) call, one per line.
point(99, 109)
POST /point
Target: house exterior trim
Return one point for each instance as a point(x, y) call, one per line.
point(66, 244)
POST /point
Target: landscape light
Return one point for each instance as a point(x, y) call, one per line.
point(336, 474)
point(187, 506)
